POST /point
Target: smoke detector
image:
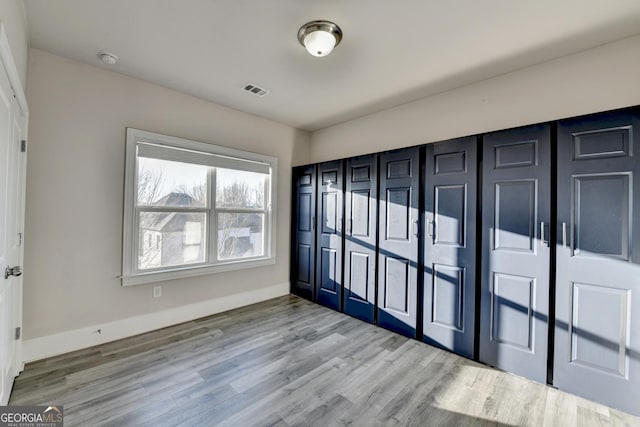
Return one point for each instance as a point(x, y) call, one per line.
point(108, 58)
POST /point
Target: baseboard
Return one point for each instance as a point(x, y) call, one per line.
point(51, 345)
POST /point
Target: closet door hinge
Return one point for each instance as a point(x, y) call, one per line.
point(23, 146)
point(18, 333)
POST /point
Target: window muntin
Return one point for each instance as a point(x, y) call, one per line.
point(194, 208)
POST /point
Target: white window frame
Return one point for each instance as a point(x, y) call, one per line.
point(214, 155)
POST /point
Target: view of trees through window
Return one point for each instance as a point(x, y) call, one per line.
point(174, 213)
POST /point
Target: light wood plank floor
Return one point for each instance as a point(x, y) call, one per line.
point(289, 362)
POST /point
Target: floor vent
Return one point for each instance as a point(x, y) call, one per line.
point(256, 90)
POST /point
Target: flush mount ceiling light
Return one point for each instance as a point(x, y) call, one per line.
point(319, 37)
point(108, 58)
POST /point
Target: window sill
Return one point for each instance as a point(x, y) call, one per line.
point(159, 276)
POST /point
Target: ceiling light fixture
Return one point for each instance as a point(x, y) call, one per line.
point(108, 58)
point(319, 37)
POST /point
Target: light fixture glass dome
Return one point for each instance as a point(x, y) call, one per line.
point(319, 37)
point(319, 43)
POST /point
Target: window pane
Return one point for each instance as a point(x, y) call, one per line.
point(171, 239)
point(240, 235)
point(167, 183)
point(239, 189)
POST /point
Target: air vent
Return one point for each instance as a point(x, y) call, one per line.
point(256, 90)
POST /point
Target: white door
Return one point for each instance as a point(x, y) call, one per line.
point(12, 174)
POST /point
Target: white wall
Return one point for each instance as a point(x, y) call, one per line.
point(75, 202)
point(598, 79)
point(13, 19)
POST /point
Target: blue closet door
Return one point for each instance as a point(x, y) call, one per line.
point(360, 237)
point(597, 328)
point(450, 189)
point(303, 231)
point(515, 250)
point(330, 234)
point(398, 241)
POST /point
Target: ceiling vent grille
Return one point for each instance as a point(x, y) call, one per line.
point(255, 90)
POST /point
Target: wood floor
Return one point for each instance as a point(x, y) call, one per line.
point(289, 362)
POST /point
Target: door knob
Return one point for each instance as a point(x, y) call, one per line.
point(12, 271)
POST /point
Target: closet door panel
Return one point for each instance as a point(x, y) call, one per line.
point(303, 231)
point(398, 240)
point(330, 234)
point(597, 350)
point(361, 175)
point(450, 190)
point(515, 250)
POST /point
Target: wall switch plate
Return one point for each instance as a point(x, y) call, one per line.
point(157, 291)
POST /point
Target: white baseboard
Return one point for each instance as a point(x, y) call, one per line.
point(64, 342)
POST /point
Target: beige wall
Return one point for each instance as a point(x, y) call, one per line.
point(14, 21)
point(599, 79)
point(75, 180)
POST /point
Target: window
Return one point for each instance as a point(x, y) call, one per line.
point(193, 208)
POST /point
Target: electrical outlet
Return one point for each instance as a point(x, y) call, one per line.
point(157, 291)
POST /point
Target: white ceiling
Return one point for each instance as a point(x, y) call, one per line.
point(392, 51)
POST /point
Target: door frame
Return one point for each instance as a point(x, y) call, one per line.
point(7, 63)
